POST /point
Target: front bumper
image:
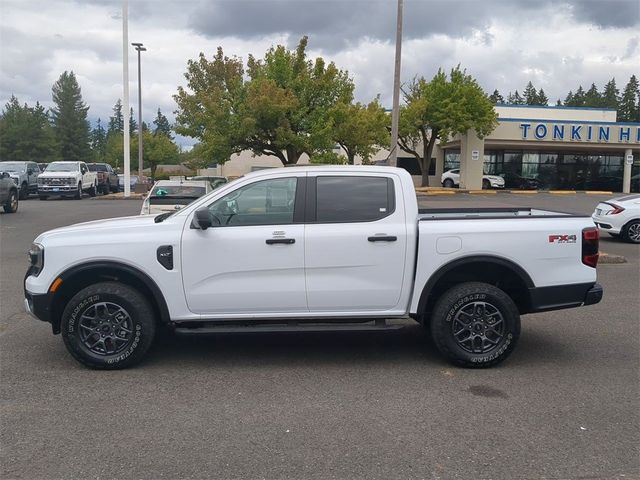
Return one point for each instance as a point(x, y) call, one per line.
point(544, 299)
point(57, 188)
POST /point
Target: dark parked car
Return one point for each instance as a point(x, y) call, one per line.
point(8, 193)
point(523, 183)
point(107, 179)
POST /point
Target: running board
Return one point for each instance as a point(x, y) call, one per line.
point(374, 325)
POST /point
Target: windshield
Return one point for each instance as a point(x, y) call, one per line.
point(12, 167)
point(97, 168)
point(189, 191)
point(62, 167)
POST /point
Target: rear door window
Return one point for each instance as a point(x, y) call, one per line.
point(353, 199)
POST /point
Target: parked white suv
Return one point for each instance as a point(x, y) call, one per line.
point(451, 178)
point(310, 248)
point(68, 179)
point(620, 217)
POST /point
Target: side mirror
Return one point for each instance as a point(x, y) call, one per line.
point(29, 171)
point(204, 219)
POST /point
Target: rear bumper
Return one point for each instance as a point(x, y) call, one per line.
point(544, 299)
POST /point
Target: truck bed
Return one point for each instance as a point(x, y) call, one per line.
point(488, 213)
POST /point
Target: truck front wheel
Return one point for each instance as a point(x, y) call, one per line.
point(108, 326)
point(475, 325)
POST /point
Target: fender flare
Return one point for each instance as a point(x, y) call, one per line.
point(446, 268)
point(148, 282)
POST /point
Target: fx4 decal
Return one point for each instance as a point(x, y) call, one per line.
point(562, 239)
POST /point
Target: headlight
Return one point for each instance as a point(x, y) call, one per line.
point(36, 259)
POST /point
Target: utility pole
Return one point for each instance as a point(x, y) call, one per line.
point(125, 88)
point(395, 113)
point(140, 185)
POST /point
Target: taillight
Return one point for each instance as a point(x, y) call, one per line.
point(590, 246)
point(616, 209)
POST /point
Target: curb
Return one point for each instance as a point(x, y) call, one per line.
point(607, 258)
point(116, 196)
point(453, 191)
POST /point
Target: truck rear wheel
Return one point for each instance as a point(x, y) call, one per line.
point(108, 326)
point(475, 325)
point(11, 205)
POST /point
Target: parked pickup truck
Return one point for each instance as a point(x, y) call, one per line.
point(68, 179)
point(310, 248)
point(107, 178)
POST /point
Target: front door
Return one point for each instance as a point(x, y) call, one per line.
point(356, 245)
point(253, 261)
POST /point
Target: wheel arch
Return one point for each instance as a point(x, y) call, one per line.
point(80, 276)
point(497, 271)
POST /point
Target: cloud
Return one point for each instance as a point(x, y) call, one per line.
point(558, 45)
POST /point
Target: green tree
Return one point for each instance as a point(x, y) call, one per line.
point(542, 98)
point(162, 126)
point(496, 98)
point(359, 129)
point(441, 108)
point(575, 99)
point(515, 99)
point(114, 150)
point(116, 121)
point(628, 110)
point(25, 133)
point(69, 119)
point(327, 157)
point(158, 150)
point(99, 142)
point(610, 95)
point(133, 125)
point(592, 97)
point(530, 95)
point(280, 109)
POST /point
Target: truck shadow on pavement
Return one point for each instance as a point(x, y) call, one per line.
point(410, 346)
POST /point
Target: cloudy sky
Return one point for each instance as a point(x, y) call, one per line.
point(504, 43)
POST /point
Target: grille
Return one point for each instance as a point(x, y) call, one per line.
point(56, 181)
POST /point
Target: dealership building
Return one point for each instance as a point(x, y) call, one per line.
point(562, 148)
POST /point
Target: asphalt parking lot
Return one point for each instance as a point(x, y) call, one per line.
point(333, 405)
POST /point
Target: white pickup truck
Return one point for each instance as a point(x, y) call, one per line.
point(68, 179)
point(310, 248)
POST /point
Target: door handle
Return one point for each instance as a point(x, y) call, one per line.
point(286, 241)
point(383, 238)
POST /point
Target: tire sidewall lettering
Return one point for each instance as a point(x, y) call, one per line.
point(81, 307)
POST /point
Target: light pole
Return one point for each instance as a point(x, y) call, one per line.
point(139, 185)
point(395, 113)
point(125, 92)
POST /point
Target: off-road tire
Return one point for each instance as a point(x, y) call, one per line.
point(631, 232)
point(93, 191)
point(448, 183)
point(106, 189)
point(78, 195)
point(449, 312)
point(79, 319)
point(11, 205)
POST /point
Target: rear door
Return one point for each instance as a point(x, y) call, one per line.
point(355, 240)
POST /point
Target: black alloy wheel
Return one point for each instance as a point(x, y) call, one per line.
point(475, 325)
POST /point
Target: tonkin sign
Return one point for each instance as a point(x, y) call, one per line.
point(577, 132)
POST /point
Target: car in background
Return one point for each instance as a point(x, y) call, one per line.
point(8, 192)
point(513, 180)
point(620, 217)
point(67, 179)
point(215, 181)
point(107, 178)
point(24, 175)
point(452, 179)
point(133, 181)
point(171, 195)
point(42, 166)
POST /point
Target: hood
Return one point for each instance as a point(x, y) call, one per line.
point(58, 174)
point(496, 178)
point(122, 223)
